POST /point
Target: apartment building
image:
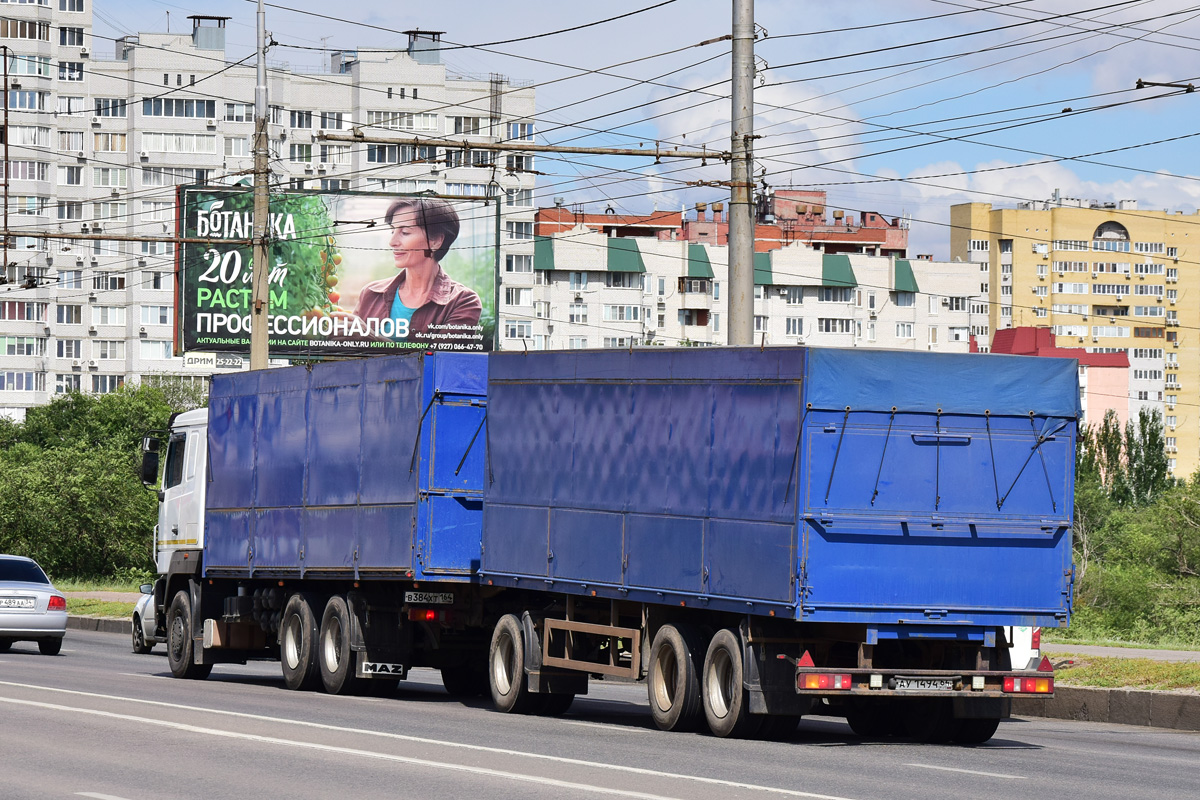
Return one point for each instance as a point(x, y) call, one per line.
point(101, 133)
point(1105, 277)
point(588, 287)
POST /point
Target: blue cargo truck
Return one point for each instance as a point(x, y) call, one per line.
point(758, 534)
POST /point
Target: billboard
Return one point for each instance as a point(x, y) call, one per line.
point(350, 273)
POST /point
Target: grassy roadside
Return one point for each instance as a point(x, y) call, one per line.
point(86, 607)
point(1126, 673)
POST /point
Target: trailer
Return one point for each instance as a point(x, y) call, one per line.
point(757, 533)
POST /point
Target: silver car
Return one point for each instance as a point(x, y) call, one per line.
point(31, 609)
point(145, 634)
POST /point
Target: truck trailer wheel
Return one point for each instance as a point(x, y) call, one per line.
point(975, 731)
point(930, 720)
point(726, 704)
point(673, 683)
point(466, 679)
point(180, 646)
point(506, 669)
point(298, 636)
point(334, 655)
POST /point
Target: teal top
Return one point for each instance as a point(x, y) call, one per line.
point(401, 312)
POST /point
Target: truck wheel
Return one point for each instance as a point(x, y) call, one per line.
point(298, 644)
point(553, 705)
point(872, 719)
point(673, 683)
point(975, 731)
point(506, 669)
point(139, 638)
point(180, 646)
point(334, 655)
point(930, 720)
point(726, 704)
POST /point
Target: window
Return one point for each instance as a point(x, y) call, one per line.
point(158, 249)
point(158, 211)
point(520, 131)
point(109, 142)
point(108, 315)
point(1149, 248)
point(71, 141)
point(960, 334)
point(577, 343)
point(904, 330)
point(70, 36)
point(577, 313)
point(28, 65)
point(156, 280)
point(518, 263)
point(335, 184)
point(400, 121)
point(1078, 245)
point(108, 349)
point(518, 329)
point(795, 326)
point(179, 143)
point(70, 176)
point(979, 245)
point(577, 281)
point(22, 381)
point(107, 210)
point(70, 348)
point(331, 120)
point(832, 294)
point(617, 313)
point(906, 299)
point(239, 112)
point(67, 104)
point(335, 154)
point(468, 126)
point(70, 71)
point(1006, 245)
point(155, 349)
point(70, 5)
point(830, 325)
point(300, 153)
point(522, 198)
point(27, 101)
point(156, 315)
point(615, 341)
point(933, 334)
point(178, 107)
point(27, 170)
point(300, 119)
point(66, 383)
point(103, 384)
point(518, 163)
point(116, 177)
point(108, 281)
point(518, 297)
point(70, 278)
point(689, 317)
point(24, 29)
point(22, 346)
point(795, 295)
point(69, 314)
point(519, 230)
point(1172, 252)
point(623, 280)
point(760, 323)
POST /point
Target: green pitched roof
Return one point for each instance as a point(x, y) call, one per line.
point(836, 270)
point(698, 263)
point(543, 252)
point(624, 256)
point(905, 280)
point(762, 269)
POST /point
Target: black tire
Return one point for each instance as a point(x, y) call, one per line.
point(778, 727)
point(553, 705)
point(5, 644)
point(673, 681)
point(50, 647)
point(334, 655)
point(722, 689)
point(298, 634)
point(139, 638)
point(466, 680)
point(872, 719)
point(975, 731)
point(506, 669)
point(930, 720)
point(180, 646)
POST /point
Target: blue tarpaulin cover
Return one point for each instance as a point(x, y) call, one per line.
point(876, 380)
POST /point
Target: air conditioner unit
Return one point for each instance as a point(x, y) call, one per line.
point(1083, 317)
point(1172, 301)
point(141, 331)
point(946, 301)
point(95, 120)
point(1159, 298)
point(212, 123)
point(1174, 344)
point(142, 261)
point(322, 167)
point(79, 260)
point(116, 192)
point(92, 329)
point(578, 297)
point(308, 167)
point(75, 364)
point(1031, 288)
point(95, 260)
point(1094, 339)
point(96, 225)
point(92, 365)
point(16, 84)
point(82, 156)
point(83, 52)
point(144, 155)
point(47, 329)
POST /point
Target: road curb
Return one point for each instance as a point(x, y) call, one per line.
point(1172, 710)
point(102, 624)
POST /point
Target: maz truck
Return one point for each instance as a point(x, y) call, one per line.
point(757, 534)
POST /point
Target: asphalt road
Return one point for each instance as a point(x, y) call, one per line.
point(100, 722)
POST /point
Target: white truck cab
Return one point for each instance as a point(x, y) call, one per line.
point(181, 498)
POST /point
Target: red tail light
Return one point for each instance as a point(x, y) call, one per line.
point(812, 680)
point(430, 615)
point(1037, 639)
point(1039, 685)
point(57, 603)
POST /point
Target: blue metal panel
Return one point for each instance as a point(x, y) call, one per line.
point(460, 374)
point(453, 540)
point(231, 428)
point(459, 451)
point(328, 538)
point(754, 451)
point(586, 545)
point(515, 539)
point(335, 434)
point(383, 536)
point(227, 540)
point(391, 407)
point(670, 441)
point(281, 435)
point(276, 538)
point(750, 559)
point(664, 552)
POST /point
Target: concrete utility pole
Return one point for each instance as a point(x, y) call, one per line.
point(741, 201)
point(260, 298)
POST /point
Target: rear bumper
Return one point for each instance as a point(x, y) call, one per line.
point(26, 626)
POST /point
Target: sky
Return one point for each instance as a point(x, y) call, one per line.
point(904, 108)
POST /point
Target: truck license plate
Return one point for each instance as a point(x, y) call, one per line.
point(16, 602)
point(925, 684)
point(430, 598)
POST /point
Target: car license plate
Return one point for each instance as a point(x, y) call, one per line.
point(430, 598)
point(16, 602)
point(925, 684)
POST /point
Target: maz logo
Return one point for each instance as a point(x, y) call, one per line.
point(375, 668)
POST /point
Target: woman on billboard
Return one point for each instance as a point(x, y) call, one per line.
point(421, 297)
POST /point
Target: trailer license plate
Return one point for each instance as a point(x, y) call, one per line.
point(16, 602)
point(925, 684)
point(430, 598)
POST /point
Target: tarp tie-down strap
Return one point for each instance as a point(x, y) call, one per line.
point(879, 472)
point(836, 453)
point(471, 444)
point(937, 464)
point(796, 455)
point(1046, 435)
point(417, 442)
point(987, 418)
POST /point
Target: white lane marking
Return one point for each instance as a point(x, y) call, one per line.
point(350, 751)
point(438, 742)
point(142, 675)
point(971, 772)
point(98, 796)
point(603, 726)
